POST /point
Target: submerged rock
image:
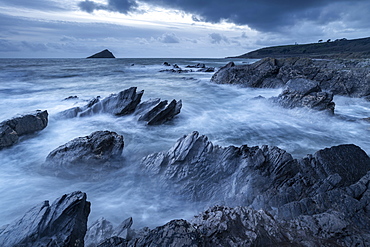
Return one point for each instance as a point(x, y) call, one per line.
point(63, 223)
point(12, 129)
point(301, 92)
point(96, 151)
point(343, 77)
point(103, 54)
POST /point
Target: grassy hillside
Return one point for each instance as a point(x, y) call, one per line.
point(343, 48)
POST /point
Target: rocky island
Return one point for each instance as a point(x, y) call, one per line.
point(103, 54)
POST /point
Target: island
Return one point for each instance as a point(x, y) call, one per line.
point(103, 54)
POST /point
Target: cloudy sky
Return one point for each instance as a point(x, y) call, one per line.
point(172, 28)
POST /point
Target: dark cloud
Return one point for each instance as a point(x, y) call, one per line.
point(122, 6)
point(263, 15)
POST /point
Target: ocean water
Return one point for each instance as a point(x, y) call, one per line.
point(227, 114)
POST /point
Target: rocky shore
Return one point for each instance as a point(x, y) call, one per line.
point(256, 195)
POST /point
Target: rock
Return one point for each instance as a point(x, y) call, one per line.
point(343, 77)
point(98, 151)
point(166, 64)
point(174, 233)
point(264, 177)
point(103, 54)
point(63, 223)
point(99, 231)
point(123, 103)
point(71, 97)
point(12, 129)
point(102, 233)
point(153, 112)
point(114, 242)
point(209, 69)
point(156, 112)
point(301, 92)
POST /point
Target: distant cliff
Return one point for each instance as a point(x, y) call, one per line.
point(103, 54)
point(341, 48)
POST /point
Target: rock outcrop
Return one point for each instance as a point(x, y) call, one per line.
point(12, 129)
point(63, 224)
point(153, 111)
point(301, 92)
point(200, 67)
point(342, 77)
point(103, 54)
point(97, 152)
point(123, 103)
point(331, 185)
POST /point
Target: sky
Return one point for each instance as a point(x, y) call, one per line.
point(172, 28)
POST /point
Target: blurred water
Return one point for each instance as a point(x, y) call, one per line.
point(228, 115)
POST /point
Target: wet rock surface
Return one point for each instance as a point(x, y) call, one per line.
point(12, 129)
point(152, 111)
point(301, 92)
point(266, 198)
point(342, 77)
point(98, 151)
point(63, 223)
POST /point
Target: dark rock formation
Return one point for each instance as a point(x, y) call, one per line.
point(96, 151)
point(153, 111)
point(156, 112)
point(201, 67)
point(301, 92)
point(331, 185)
point(103, 231)
point(11, 130)
point(342, 77)
point(123, 103)
point(103, 54)
point(62, 224)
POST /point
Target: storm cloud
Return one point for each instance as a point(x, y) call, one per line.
point(262, 15)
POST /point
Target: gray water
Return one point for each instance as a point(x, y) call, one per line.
point(228, 115)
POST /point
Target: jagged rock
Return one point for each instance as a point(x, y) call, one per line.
point(265, 177)
point(12, 129)
point(103, 54)
point(166, 64)
point(156, 112)
point(123, 103)
point(174, 233)
point(102, 233)
point(198, 66)
point(153, 111)
point(96, 152)
point(99, 231)
point(301, 92)
point(343, 77)
point(63, 223)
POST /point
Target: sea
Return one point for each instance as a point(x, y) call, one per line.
point(226, 114)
